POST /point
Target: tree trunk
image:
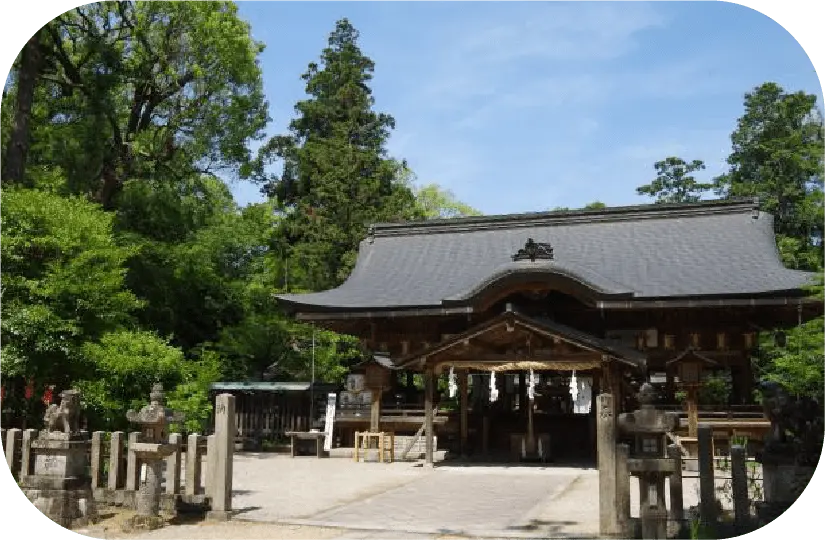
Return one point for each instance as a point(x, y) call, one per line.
point(109, 187)
point(31, 61)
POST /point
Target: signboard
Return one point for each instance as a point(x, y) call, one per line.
point(355, 382)
point(330, 419)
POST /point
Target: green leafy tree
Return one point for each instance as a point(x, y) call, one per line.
point(434, 202)
point(197, 254)
point(191, 396)
point(141, 90)
point(674, 182)
point(120, 370)
point(798, 363)
point(595, 205)
point(337, 177)
point(63, 283)
point(778, 157)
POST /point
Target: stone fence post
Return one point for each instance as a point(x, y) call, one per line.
point(115, 480)
point(173, 465)
point(677, 505)
point(193, 464)
point(606, 448)
point(623, 490)
point(132, 465)
point(211, 454)
point(224, 447)
point(26, 456)
point(13, 438)
point(707, 481)
point(739, 485)
point(97, 459)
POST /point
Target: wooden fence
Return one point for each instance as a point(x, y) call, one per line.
point(269, 415)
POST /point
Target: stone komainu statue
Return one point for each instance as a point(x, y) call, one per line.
point(64, 417)
point(796, 424)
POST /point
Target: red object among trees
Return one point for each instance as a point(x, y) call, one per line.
point(47, 395)
point(29, 389)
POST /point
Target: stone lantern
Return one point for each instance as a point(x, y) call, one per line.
point(648, 460)
point(151, 449)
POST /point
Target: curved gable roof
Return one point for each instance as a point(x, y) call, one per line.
point(663, 251)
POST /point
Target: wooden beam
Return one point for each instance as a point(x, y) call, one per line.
point(460, 357)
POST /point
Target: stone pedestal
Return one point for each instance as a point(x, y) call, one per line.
point(783, 483)
point(60, 487)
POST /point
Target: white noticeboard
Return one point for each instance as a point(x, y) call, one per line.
point(330, 419)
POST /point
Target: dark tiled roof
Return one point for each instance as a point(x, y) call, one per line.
point(709, 249)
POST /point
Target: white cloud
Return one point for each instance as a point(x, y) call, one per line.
point(486, 58)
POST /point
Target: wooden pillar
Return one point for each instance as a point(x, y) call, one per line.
point(692, 410)
point(410, 387)
point(463, 380)
point(616, 377)
point(746, 376)
point(428, 415)
point(522, 394)
point(669, 385)
point(375, 410)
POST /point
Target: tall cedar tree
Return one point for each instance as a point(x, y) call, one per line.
point(337, 177)
point(778, 157)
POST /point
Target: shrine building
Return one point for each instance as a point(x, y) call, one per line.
point(501, 330)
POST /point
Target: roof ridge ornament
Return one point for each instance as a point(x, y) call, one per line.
point(534, 250)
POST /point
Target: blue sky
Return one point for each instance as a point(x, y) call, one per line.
point(524, 106)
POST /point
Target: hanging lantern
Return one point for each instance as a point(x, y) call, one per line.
point(29, 389)
point(493, 388)
point(453, 387)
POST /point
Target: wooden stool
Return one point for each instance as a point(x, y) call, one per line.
point(380, 436)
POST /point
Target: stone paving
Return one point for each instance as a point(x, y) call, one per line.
point(276, 496)
point(471, 501)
